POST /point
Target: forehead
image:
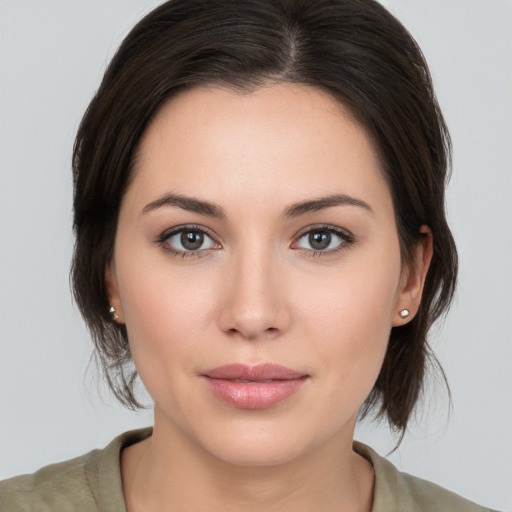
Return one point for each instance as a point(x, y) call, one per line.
point(278, 141)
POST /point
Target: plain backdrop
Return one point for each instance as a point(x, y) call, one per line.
point(52, 54)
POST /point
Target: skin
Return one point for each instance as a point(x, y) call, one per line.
point(257, 291)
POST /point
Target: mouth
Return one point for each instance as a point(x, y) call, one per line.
point(254, 387)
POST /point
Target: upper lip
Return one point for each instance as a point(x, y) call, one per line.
point(256, 373)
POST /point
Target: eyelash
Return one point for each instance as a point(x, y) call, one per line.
point(166, 235)
point(346, 240)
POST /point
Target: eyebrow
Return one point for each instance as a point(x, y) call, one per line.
point(314, 205)
point(190, 204)
point(202, 207)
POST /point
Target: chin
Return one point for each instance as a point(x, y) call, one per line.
point(258, 444)
point(265, 454)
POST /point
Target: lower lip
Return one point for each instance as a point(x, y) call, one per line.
point(254, 395)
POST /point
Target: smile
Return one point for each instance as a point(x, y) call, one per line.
point(253, 387)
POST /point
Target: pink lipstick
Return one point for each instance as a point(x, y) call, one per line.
point(254, 387)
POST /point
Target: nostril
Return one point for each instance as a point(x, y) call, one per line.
point(269, 332)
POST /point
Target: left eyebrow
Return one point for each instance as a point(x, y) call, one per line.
point(314, 205)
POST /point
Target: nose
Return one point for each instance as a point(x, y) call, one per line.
point(254, 304)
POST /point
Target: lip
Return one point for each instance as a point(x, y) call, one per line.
point(254, 387)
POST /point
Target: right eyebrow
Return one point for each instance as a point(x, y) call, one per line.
point(190, 204)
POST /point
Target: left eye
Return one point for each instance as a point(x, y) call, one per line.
point(189, 240)
point(322, 239)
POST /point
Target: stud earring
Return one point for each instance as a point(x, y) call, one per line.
point(112, 311)
point(404, 313)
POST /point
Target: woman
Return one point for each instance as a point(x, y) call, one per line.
point(259, 211)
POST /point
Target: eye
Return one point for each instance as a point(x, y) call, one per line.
point(187, 241)
point(325, 239)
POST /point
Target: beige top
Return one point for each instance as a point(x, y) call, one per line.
point(92, 483)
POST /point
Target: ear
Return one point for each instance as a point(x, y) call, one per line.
point(412, 279)
point(113, 293)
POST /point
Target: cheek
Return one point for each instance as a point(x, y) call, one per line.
point(360, 292)
point(165, 320)
point(165, 313)
point(350, 317)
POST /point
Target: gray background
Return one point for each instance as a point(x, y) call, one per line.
point(52, 54)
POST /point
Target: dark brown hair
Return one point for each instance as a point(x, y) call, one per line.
point(353, 49)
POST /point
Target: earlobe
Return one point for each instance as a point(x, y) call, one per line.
point(115, 310)
point(413, 279)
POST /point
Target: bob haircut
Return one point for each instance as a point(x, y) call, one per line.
point(353, 49)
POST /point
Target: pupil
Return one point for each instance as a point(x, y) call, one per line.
point(320, 240)
point(191, 240)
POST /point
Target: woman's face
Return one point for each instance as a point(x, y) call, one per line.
point(257, 268)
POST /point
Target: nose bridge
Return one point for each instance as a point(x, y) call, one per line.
point(254, 304)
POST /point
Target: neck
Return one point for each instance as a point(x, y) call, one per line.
point(168, 472)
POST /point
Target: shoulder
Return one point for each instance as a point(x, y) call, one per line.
point(432, 497)
point(61, 486)
point(397, 491)
point(89, 482)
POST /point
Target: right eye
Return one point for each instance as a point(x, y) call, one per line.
point(187, 241)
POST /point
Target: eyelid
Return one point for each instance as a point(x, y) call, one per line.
point(347, 239)
point(184, 227)
point(168, 233)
